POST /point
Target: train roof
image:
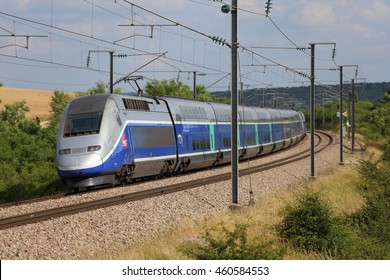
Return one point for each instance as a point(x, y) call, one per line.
point(191, 106)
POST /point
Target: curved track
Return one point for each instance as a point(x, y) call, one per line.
point(34, 217)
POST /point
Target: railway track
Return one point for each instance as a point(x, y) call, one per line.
point(38, 216)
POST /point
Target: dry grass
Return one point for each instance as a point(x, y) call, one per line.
point(338, 189)
point(37, 100)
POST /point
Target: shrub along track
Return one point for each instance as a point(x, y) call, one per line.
point(38, 216)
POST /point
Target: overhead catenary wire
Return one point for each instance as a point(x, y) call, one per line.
point(189, 63)
point(240, 9)
point(105, 41)
point(72, 32)
point(79, 34)
point(170, 20)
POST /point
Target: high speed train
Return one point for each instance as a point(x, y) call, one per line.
point(114, 139)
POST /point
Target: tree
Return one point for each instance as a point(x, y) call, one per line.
point(202, 94)
point(27, 155)
point(172, 88)
point(14, 114)
point(381, 116)
point(57, 104)
point(99, 88)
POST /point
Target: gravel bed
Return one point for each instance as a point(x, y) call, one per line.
point(85, 234)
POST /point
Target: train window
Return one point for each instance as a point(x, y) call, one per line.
point(245, 116)
point(192, 113)
point(118, 120)
point(293, 129)
point(227, 142)
point(223, 115)
point(200, 144)
point(264, 134)
point(134, 104)
point(265, 138)
point(288, 130)
point(278, 130)
point(251, 140)
point(82, 124)
point(146, 137)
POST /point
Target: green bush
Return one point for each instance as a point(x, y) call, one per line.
point(27, 164)
point(27, 156)
point(58, 102)
point(373, 219)
point(386, 152)
point(368, 133)
point(358, 247)
point(223, 244)
point(308, 225)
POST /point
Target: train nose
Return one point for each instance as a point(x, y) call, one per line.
point(88, 161)
point(76, 165)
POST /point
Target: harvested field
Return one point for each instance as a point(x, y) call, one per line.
point(37, 100)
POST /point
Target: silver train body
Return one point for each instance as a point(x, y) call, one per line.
point(113, 139)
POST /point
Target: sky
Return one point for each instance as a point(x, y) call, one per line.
point(66, 45)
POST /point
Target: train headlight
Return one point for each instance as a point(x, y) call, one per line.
point(94, 148)
point(64, 152)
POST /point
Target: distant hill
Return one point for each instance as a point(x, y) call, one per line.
point(299, 97)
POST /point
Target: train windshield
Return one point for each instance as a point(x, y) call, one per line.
point(82, 124)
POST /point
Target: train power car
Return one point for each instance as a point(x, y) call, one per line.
point(113, 139)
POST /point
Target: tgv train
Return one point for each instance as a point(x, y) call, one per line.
point(114, 139)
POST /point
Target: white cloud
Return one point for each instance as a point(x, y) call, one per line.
point(318, 13)
point(368, 32)
point(21, 3)
point(376, 10)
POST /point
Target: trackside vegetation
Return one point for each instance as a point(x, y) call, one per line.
point(310, 226)
point(372, 119)
point(27, 150)
point(27, 154)
point(343, 215)
point(224, 244)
